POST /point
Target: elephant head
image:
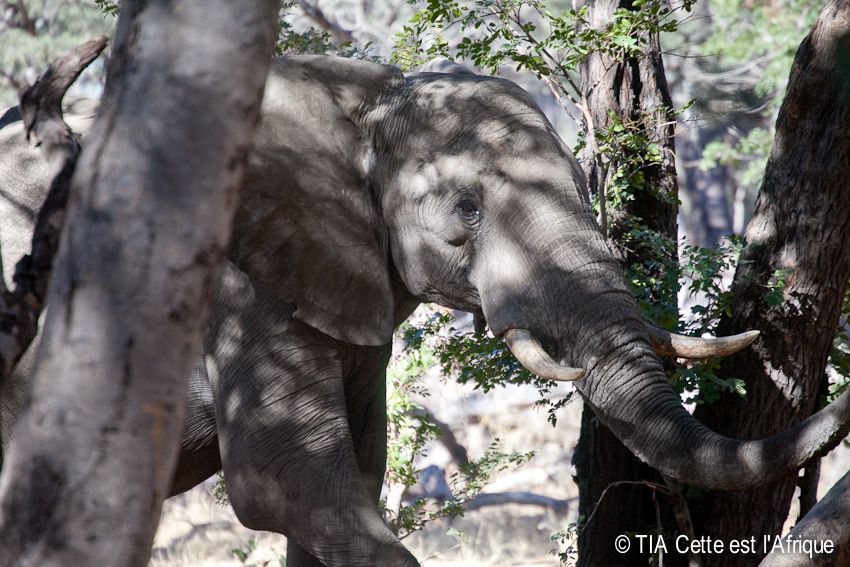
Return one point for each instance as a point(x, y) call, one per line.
point(370, 191)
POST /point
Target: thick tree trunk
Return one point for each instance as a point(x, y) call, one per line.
point(800, 226)
point(148, 223)
point(636, 91)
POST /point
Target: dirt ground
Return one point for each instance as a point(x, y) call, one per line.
point(195, 531)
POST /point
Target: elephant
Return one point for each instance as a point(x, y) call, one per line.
point(367, 192)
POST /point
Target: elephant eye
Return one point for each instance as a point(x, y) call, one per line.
point(468, 211)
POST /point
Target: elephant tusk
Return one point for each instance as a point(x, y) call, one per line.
point(681, 346)
point(528, 350)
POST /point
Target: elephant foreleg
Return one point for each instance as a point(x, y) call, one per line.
point(286, 448)
point(365, 399)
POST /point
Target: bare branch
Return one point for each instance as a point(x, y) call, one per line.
point(23, 22)
point(41, 109)
point(41, 104)
point(312, 11)
point(519, 497)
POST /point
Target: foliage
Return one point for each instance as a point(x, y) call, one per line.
point(526, 34)
point(839, 356)
point(747, 155)
point(295, 40)
point(219, 490)
point(242, 553)
point(701, 271)
point(744, 32)
point(567, 541)
point(755, 43)
point(775, 294)
point(704, 269)
point(629, 151)
point(654, 278)
point(465, 485)
point(476, 358)
point(108, 7)
point(410, 431)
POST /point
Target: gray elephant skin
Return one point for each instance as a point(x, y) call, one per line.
point(368, 192)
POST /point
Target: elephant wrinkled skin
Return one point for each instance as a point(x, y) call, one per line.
point(368, 192)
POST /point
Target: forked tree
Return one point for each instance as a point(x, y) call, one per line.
point(799, 229)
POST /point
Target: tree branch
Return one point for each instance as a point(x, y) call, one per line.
point(41, 109)
point(518, 497)
point(312, 11)
point(24, 22)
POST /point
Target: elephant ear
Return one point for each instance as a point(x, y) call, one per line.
point(308, 225)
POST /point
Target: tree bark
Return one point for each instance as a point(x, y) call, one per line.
point(709, 217)
point(636, 91)
point(601, 461)
point(148, 222)
point(799, 227)
point(827, 521)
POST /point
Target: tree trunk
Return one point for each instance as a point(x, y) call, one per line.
point(148, 222)
point(710, 213)
point(601, 462)
point(799, 227)
point(636, 91)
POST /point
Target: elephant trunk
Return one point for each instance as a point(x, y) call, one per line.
point(582, 313)
point(629, 392)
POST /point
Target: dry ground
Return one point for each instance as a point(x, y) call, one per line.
point(195, 531)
